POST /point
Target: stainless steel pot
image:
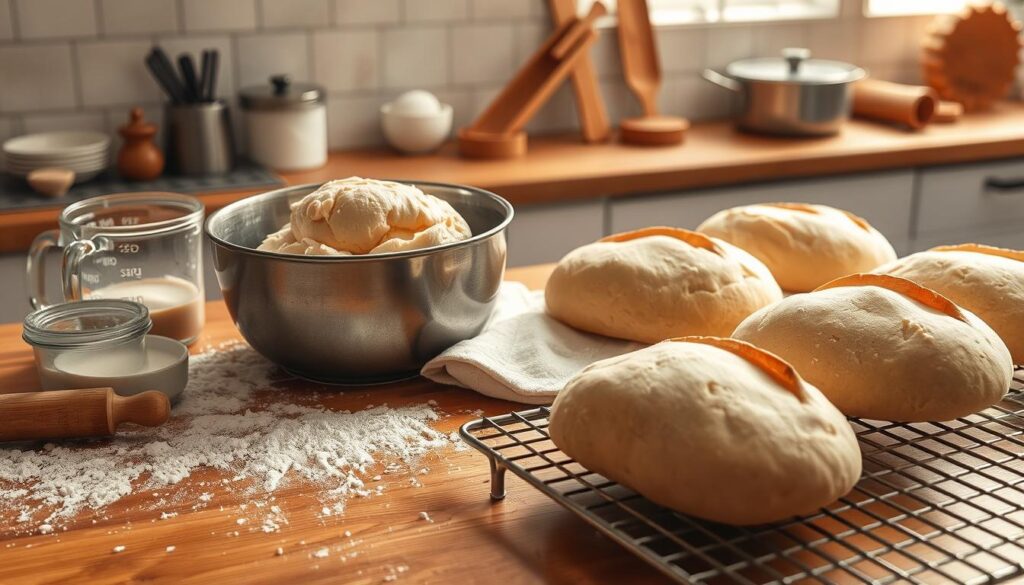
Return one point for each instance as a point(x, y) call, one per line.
point(358, 319)
point(791, 95)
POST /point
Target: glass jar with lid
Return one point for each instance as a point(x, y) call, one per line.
point(286, 124)
point(87, 336)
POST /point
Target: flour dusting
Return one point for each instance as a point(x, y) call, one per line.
point(227, 420)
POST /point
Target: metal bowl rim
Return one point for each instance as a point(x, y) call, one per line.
point(505, 205)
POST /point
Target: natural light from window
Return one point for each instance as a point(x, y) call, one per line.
point(904, 7)
point(668, 12)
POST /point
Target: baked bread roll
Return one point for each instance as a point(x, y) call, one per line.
point(804, 246)
point(886, 348)
point(656, 283)
point(366, 216)
point(710, 427)
point(985, 280)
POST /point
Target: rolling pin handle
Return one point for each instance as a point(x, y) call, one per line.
point(150, 408)
point(497, 481)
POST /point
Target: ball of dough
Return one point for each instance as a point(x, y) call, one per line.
point(365, 216)
point(704, 431)
point(804, 246)
point(885, 348)
point(987, 281)
point(658, 283)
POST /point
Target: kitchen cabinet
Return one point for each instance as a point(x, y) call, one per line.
point(971, 202)
point(544, 233)
point(884, 199)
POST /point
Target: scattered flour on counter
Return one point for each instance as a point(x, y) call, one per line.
point(229, 420)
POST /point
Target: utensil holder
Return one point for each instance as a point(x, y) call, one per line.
point(199, 138)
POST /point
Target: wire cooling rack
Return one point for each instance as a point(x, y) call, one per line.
point(937, 503)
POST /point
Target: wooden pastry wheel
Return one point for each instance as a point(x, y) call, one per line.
point(643, 76)
point(971, 58)
point(498, 132)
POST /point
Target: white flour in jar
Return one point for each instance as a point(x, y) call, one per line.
point(231, 418)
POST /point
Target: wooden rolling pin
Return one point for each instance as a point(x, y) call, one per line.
point(92, 412)
point(910, 105)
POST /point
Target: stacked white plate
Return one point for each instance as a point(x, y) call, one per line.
point(86, 153)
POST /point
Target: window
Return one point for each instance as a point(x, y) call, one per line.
point(905, 7)
point(669, 12)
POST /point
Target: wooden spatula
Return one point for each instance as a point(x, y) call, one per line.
point(91, 412)
point(589, 104)
point(497, 133)
point(643, 76)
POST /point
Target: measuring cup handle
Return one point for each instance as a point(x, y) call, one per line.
point(74, 253)
point(35, 267)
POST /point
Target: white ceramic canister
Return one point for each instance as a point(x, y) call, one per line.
point(286, 124)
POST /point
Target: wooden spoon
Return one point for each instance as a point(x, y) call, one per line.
point(643, 76)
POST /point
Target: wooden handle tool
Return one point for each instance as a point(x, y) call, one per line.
point(910, 105)
point(497, 132)
point(91, 412)
point(642, 71)
point(594, 123)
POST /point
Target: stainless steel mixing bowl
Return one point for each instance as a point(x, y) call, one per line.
point(358, 319)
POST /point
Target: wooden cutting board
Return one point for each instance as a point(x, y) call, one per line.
point(524, 539)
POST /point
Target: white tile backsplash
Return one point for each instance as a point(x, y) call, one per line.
point(728, 43)
point(435, 10)
point(415, 57)
point(138, 17)
point(261, 56)
point(36, 77)
point(114, 72)
point(482, 53)
point(6, 24)
point(771, 39)
point(88, 121)
point(79, 63)
point(47, 19)
point(353, 121)
point(295, 13)
point(352, 12)
point(501, 9)
point(681, 49)
point(346, 60)
point(219, 15)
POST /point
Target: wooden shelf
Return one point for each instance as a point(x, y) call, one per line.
point(563, 168)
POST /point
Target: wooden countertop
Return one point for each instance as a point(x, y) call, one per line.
point(563, 168)
point(525, 538)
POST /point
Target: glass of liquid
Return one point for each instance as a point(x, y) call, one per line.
point(143, 247)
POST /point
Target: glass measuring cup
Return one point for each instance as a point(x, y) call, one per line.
point(144, 247)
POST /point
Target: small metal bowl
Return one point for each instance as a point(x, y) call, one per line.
point(358, 319)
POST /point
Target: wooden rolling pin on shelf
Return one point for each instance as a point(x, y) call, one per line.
point(91, 412)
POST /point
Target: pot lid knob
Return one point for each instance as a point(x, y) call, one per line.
point(280, 83)
point(795, 56)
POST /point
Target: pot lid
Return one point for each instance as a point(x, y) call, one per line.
point(795, 65)
point(280, 94)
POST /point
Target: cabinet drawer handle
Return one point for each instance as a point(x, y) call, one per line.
point(1005, 186)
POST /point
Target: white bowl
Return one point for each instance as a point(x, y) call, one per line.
point(416, 133)
point(75, 166)
point(56, 158)
point(57, 144)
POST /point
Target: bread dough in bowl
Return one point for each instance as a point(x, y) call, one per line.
point(803, 245)
point(710, 427)
point(884, 347)
point(656, 283)
point(985, 280)
point(366, 216)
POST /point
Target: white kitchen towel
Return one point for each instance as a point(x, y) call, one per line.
point(522, 355)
